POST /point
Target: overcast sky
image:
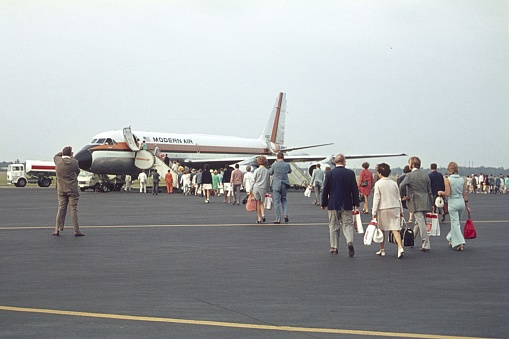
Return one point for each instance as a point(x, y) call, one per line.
point(427, 78)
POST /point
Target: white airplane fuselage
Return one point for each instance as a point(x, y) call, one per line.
point(109, 153)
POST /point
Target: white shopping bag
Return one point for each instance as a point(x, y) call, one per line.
point(370, 231)
point(357, 222)
point(307, 192)
point(268, 201)
point(432, 224)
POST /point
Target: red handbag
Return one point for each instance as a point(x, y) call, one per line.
point(469, 230)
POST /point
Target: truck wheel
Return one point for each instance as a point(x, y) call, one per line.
point(44, 182)
point(22, 182)
point(82, 189)
point(104, 187)
point(97, 187)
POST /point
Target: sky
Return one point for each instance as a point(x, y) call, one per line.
point(425, 78)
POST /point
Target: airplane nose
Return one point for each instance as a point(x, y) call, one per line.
point(84, 158)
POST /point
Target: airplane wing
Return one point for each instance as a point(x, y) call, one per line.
point(302, 147)
point(220, 162)
point(374, 156)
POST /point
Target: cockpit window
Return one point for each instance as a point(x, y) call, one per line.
point(100, 141)
point(94, 141)
point(110, 141)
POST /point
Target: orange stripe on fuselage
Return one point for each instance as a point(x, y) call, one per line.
point(178, 148)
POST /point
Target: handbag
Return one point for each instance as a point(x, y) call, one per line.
point(244, 201)
point(361, 198)
point(251, 203)
point(469, 229)
point(432, 224)
point(370, 231)
point(364, 183)
point(357, 222)
point(267, 204)
point(407, 235)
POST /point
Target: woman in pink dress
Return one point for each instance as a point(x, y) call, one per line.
point(365, 184)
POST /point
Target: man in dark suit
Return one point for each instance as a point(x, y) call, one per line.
point(437, 184)
point(67, 171)
point(340, 195)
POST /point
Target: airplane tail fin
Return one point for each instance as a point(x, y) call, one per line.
point(275, 129)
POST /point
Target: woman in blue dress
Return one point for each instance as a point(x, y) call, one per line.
point(456, 191)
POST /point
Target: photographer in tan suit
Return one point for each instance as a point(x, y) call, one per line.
point(67, 171)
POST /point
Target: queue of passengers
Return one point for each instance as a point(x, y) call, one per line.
point(488, 184)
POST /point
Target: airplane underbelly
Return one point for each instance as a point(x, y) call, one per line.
point(110, 162)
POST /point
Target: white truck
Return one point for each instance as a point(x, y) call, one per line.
point(33, 171)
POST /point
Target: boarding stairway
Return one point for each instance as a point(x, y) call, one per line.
point(162, 169)
point(298, 177)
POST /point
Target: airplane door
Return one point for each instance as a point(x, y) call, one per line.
point(129, 139)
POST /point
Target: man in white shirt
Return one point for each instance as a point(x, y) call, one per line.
point(142, 178)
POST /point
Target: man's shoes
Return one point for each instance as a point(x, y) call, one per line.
point(351, 250)
point(56, 233)
point(287, 219)
point(424, 249)
point(78, 234)
point(276, 222)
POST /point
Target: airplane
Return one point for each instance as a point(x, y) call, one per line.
point(119, 152)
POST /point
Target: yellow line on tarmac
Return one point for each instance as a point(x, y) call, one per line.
point(229, 324)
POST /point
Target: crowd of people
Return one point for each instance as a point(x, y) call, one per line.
point(414, 190)
point(339, 192)
point(488, 184)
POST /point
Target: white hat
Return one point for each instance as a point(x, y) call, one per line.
point(378, 237)
point(439, 202)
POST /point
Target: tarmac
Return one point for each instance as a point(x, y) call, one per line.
point(171, 266)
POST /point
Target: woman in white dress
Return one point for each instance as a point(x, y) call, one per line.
point(387, 208)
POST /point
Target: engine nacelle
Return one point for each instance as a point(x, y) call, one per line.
point(323, 166)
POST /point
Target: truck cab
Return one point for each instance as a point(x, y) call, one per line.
point(34, 172)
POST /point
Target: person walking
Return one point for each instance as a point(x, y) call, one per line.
point(142, 178)
point(206, 179)
point(248, 181)
point(406, 170)
point(437, 184)
point(280, 184)
point(155, 182)
point(261, 187)
point(168, 179)
point(67, 170)
point(236, 182)
point(317, 182)
point(419, 199)
point(340, 196)
point(456, 191)
point(128, 182)
point(226, 181)
point(366, 183)
point(387, 209)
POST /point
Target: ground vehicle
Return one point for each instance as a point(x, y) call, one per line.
point(88, 180)
point(99, 182)
point(33, 171)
